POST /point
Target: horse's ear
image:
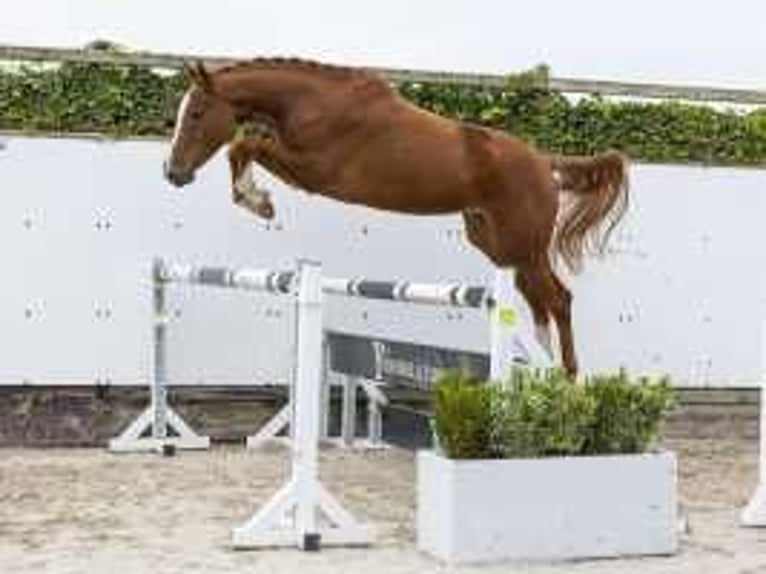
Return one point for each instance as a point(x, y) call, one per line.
point(198, 75)
point(191, 73)
point(203, 76)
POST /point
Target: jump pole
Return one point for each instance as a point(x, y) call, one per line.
point(500, 301)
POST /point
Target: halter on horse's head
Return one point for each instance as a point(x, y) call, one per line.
point(205, 122)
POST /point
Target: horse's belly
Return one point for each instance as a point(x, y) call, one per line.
point(406, 186)
point(414, 200)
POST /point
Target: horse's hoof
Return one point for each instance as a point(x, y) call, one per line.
point(263, 206)
point(266, 210)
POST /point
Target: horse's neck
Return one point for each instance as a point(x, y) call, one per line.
point(263, 93)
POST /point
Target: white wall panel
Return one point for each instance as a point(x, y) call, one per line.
point(683, 292)
point(686, 292)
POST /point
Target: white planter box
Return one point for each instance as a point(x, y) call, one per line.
point(546, 509)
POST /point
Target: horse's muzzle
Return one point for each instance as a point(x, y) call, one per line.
point(177, 178)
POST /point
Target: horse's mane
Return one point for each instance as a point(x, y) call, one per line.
point(300, 64)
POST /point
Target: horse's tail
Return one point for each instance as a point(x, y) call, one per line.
point(597, 202)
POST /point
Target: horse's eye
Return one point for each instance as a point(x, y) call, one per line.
point(196, 114)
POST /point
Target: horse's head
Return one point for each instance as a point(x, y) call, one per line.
point(205, 122)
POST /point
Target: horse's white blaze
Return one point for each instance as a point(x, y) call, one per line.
point(179, 117)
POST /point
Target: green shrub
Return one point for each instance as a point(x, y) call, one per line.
point(116, 100)
point(542, 413)
point(628, 415)
point(462, 417)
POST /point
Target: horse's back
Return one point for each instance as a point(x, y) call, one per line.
point(381, 150)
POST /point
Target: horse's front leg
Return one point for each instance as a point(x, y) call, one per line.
point(245, 192)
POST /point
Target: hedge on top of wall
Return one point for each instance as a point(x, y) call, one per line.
point(135, 101)
point(87, 98)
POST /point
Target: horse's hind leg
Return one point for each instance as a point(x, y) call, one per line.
point(537, 302)
point(547, 288)
point(562, 313)
point(482, 232)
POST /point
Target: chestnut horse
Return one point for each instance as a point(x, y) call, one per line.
point(346, 134)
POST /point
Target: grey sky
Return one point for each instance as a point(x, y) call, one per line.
point(678, 41)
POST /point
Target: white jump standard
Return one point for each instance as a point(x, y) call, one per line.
point(303, 513)
point(149, 432)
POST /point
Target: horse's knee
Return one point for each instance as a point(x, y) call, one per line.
point(236, 152)
point(244, 151)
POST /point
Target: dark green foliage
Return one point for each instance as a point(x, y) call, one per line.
point(666, 132)
point(115, 100)
point(131, 100)
point(462, 418)
point(628, 415)
point(541, 413)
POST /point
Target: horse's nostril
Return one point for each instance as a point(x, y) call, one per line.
point(177, 178)
point(169, 175)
